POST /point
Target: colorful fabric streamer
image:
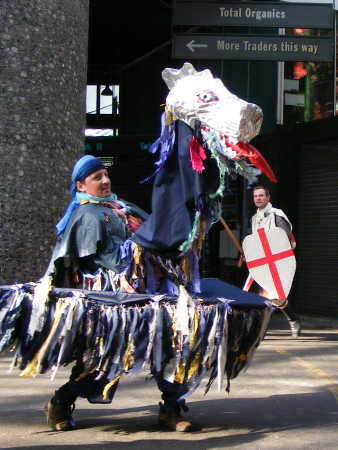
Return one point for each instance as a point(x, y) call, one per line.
point(185, 338)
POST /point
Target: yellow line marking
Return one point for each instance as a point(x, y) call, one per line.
point(331, 384)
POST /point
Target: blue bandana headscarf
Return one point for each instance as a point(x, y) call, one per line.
point(84, 167)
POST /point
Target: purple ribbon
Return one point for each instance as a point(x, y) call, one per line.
point(166, 141)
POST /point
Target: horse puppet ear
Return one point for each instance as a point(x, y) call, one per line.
point(172, 76)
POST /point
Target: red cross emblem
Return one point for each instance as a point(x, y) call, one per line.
point(276, 248)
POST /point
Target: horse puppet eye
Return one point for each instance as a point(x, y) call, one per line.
point(206, 97)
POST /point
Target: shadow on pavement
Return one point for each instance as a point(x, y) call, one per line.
point(259, 416)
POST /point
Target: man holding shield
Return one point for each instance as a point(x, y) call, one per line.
point(265, 222)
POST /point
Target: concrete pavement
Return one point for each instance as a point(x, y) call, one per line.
point(287, 399)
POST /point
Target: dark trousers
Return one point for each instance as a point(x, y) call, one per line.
point(91, 388)
point(288, 311)
point(290, 315)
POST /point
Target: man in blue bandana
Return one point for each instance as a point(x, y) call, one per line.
point(90, 236)
point(91, 252)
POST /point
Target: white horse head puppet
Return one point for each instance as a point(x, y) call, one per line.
point(227, 123)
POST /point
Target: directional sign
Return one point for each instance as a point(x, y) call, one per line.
point(268, 48)
point(282, 15)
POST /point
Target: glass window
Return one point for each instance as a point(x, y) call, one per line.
point(102, 99)
point(96, 132)
point(91, 99)
point(308, 86)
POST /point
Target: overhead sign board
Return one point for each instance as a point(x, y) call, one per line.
point(281, 15)
point(268, 48)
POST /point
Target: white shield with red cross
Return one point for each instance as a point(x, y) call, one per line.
point(271, 261)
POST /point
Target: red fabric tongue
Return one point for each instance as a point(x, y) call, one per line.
point(197, 155)
point(254, 156)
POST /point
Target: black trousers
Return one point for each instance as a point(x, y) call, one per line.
point(290, 315)
point(92, 385)
point(288, 311)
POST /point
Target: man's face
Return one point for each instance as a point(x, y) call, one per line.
point(96, 184)
point(260, 198)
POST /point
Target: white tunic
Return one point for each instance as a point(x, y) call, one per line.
point(266, 218)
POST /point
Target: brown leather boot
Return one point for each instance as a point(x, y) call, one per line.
point(59, 415)
point(171, 419)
